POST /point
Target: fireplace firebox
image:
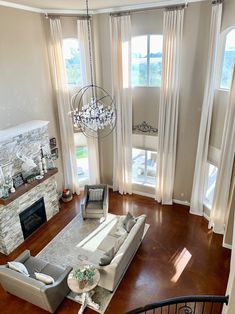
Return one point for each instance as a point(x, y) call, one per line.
point(33, 217)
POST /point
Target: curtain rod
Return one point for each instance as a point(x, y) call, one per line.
point(217, 1)
point(79, 16)
point(169, 7)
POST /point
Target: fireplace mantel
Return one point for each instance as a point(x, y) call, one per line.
point(26, 187)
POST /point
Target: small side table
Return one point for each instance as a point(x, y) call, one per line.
point(86, 292)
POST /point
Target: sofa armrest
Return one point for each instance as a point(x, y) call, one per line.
point(54, 294)
point(59, 281)
point(23, 256)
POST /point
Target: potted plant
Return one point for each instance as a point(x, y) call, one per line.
point(84, 275)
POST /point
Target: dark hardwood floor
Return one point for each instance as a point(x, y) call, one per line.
point(178, 256)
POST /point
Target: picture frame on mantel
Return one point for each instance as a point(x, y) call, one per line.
point(18, 180)
point(52, 143)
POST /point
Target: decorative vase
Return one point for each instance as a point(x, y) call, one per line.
point(82, 284)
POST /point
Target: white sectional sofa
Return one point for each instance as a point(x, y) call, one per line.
point(111, 275)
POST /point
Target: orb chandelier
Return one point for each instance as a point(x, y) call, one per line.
point(93, 109)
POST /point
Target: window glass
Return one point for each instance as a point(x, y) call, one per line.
point(210, 185)
point(81, 152)
point(155, 60)
point(139, 61)
point(147, 60)
point(144, 166)
point(71, 56)
point(228, 60)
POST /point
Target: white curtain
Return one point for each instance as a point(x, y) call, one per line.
point(63, 107)
point(206, 114)
point(122, 92)
point(169, 99)
point(220, 205)
point(92, 143)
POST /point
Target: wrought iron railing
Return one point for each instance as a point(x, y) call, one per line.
point(206, 304)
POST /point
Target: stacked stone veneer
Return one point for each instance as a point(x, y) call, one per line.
point(34, 135)
point(11, 234)
point(12, 140)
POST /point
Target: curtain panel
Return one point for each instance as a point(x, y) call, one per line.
point(92, 143)
point(206, 114)
point(225, 181)
point(63, 107)
point(169, 99)
point(122, 92)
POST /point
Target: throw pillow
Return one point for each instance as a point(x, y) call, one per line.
point(18, 267)
point(107, 258)
point(129, 222)
point(96, 194)
point(44, 278)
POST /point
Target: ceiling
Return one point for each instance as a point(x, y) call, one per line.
point(97, 5)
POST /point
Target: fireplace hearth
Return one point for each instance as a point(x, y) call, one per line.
point(33, 217)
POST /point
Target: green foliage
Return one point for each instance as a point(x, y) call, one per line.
point(73, 68)
point(81, 152)
point(85, 274)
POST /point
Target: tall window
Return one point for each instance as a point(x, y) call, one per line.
point(144, 166)
point(81, 152)
point(147, 60)
point(210, 185)
point(71, 56)
point(228, 60)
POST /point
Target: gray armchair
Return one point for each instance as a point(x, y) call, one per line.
point(48, 297)
point(95, 207)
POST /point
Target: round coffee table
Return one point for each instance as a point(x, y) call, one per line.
point(86, 292)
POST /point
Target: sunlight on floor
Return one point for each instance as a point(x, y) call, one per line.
point(180, 262)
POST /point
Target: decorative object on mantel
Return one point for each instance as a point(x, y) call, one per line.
point(17, 180)
point(93, 109)
point(145, 128)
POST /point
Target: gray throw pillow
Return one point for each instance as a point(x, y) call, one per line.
point(129, 222)
point(96, 194)
point(107, 258)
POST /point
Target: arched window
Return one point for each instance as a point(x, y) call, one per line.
point(228, 60)
point(71, 56)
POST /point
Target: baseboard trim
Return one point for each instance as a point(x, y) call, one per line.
point(227, 246)
point(186, 203)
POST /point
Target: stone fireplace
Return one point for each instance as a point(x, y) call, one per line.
point(13, 208)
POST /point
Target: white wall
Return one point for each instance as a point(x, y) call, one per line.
point(25, 86)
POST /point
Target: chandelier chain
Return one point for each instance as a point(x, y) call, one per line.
point(89, 43)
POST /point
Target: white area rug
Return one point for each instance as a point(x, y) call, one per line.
point(64, 250)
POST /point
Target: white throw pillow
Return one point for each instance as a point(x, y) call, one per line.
point(96, 194)
point(18, 267)
point(44, 278)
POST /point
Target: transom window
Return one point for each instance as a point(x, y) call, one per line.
point(147, 60)
point(71, 56)
point(144, 166)
point(228, 60)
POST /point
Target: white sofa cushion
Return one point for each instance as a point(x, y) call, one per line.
point(44, 278)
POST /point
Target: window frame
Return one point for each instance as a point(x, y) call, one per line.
point(221, 52)
point(148, 62)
